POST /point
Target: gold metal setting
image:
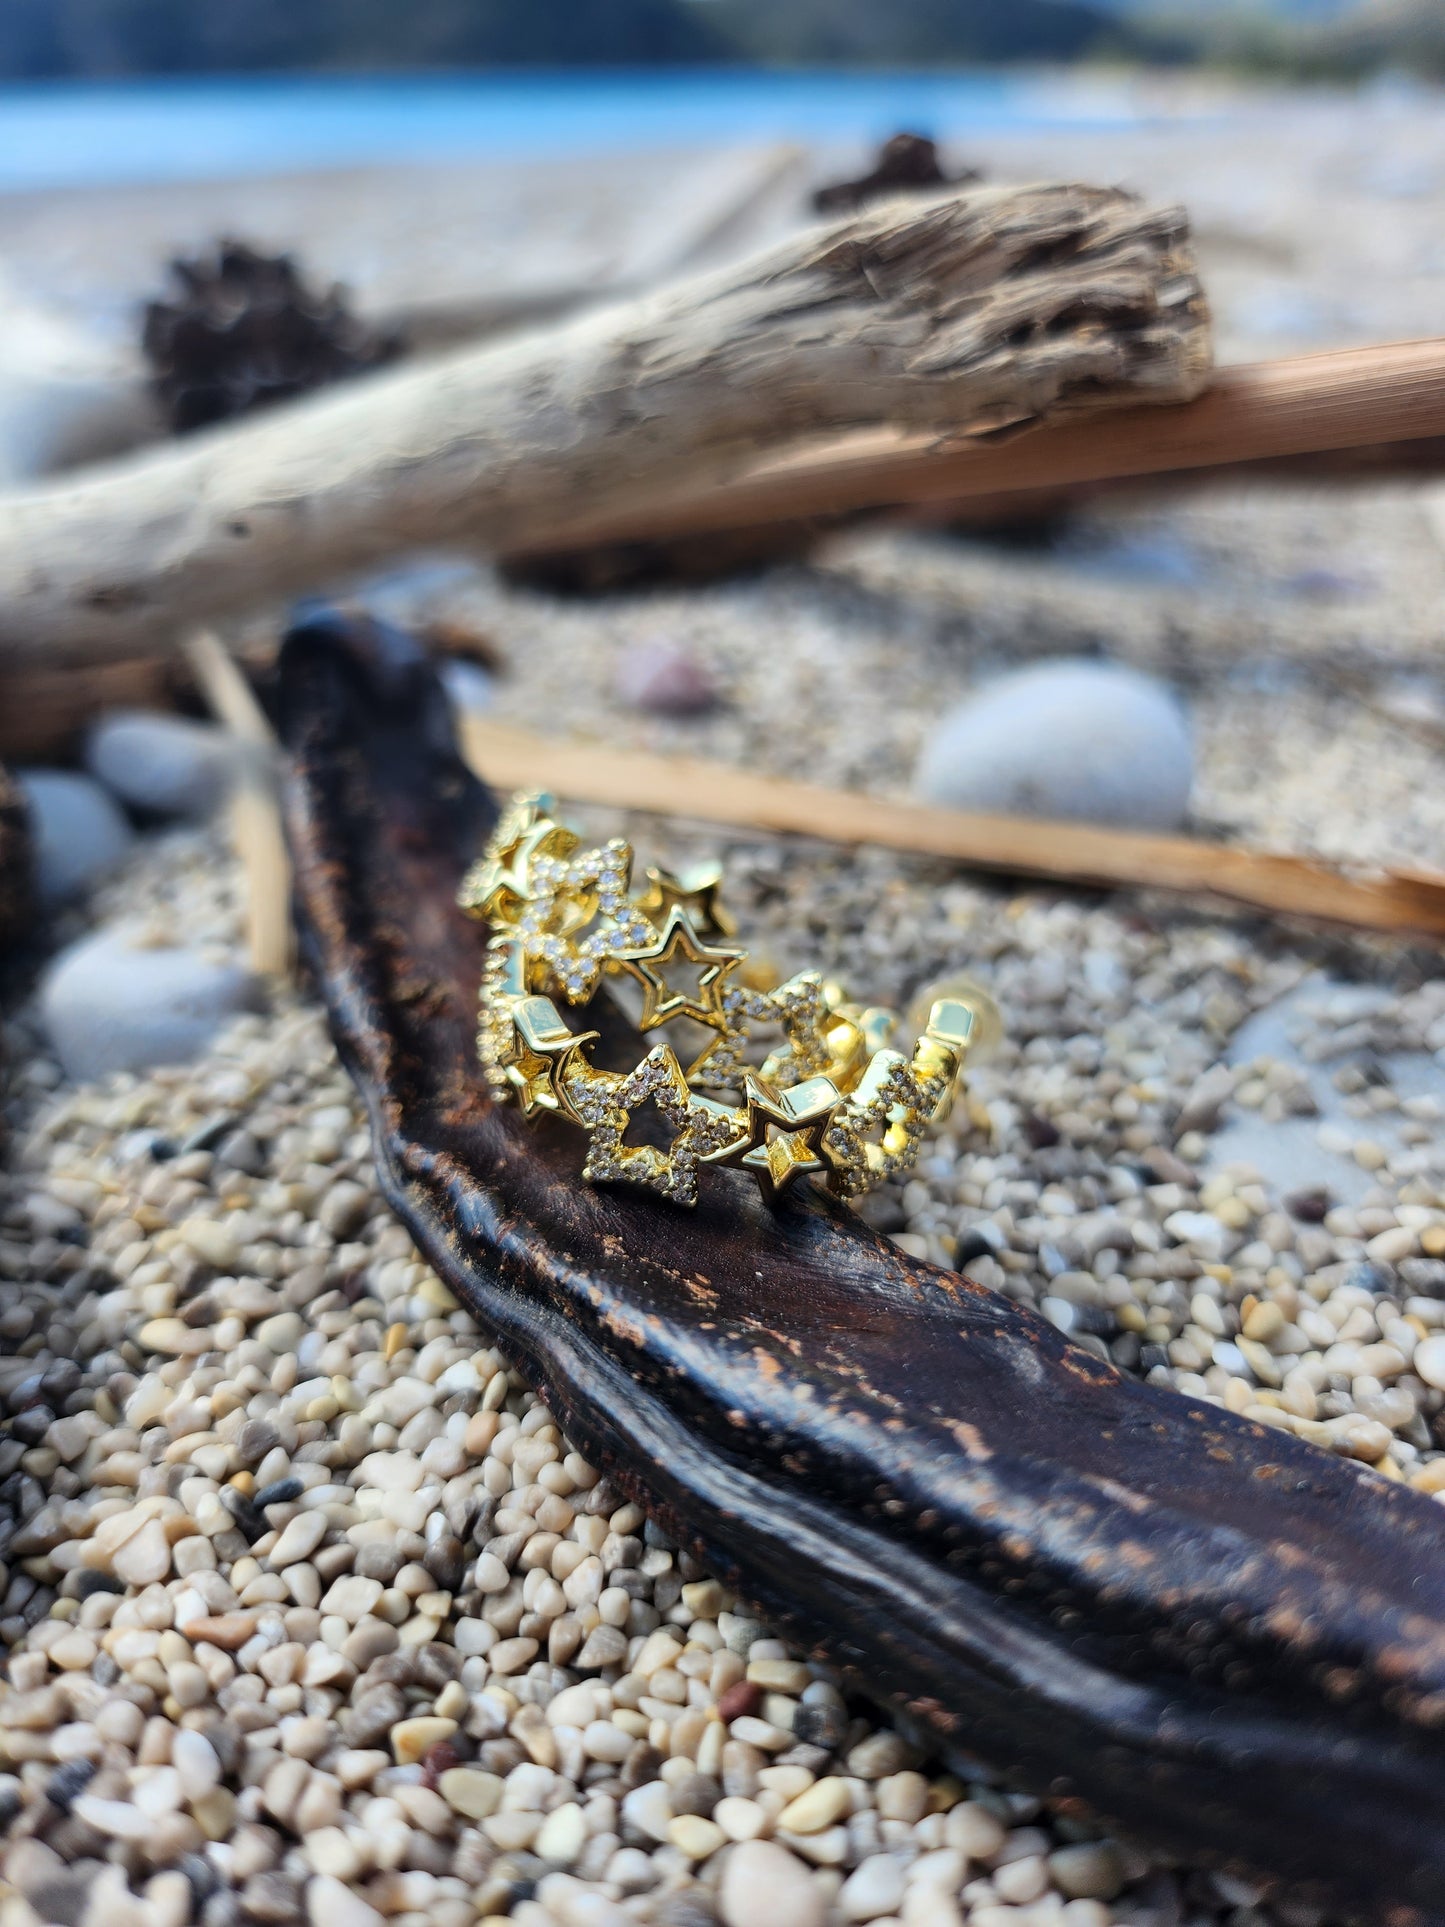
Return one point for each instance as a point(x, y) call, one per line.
point(652, 967)
point(830, 1100)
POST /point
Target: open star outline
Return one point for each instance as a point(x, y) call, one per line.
point(677, 941)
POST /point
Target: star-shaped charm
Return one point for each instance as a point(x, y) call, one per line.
point(878, 1128)
point(679, 947)
point(785, 1131)
point(542, 1055)
point(500, 880)
point(695, 889)
point(605, 1102)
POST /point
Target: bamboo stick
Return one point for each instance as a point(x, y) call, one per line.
point(1399, 902)
point(1257, 411)
point(255, 811)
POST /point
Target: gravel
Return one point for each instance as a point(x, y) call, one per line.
point(309, 1597)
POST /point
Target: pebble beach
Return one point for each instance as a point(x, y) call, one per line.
point(313, 1613)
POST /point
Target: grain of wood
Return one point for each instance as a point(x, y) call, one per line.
point(1400, 902)
point(996, 309)
point(1388, 393)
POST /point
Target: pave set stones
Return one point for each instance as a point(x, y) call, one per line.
point(874, 1132)
point(704, 1130)
point(586, 894)
point(797, 1008)
point(829, 1100)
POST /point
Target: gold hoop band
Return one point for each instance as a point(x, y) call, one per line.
point(830, 1099)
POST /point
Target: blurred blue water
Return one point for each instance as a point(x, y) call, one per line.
point(78, 133)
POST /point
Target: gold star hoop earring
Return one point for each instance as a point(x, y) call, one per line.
point(832, 1101)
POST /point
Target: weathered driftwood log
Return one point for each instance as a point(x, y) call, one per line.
point(986, 312)
point(1212, 1635)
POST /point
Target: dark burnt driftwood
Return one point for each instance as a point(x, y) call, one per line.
point(17, 864)
point(1203, 1631)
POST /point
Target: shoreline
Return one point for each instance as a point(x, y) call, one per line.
point(520, 115)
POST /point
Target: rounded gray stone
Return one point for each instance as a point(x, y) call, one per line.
point(165, 765)
point(78, 833)
point(113, 1002)
point(1088, 741)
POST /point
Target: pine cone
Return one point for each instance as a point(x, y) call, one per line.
point(906, 164)
point(246, 330)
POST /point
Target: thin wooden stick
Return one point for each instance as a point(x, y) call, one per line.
point(1258, 411)
point(231, 698)
point(256, 829)
point(1397, 901)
